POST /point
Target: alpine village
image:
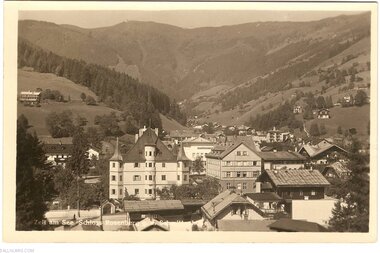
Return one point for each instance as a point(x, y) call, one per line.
point(143, 126)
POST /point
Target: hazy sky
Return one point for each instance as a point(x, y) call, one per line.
point(182, 18)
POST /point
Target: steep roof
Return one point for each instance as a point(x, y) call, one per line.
point(47, 139)
point(117, 155)
point(215, 206)
point(314, 150)
point(149, 137)
point(296, 226)
point(297, 178)
point(152, 205)
point(281, 155)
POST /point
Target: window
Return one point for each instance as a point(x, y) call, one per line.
point(245, 153)
point(120, 178)
point(301, 193)
point(163, 165)
point(228, 174)
point(228, 163)
point(244, 174)
point(150, 191)
point(146, 177)
point(113, 165)
point(136, 178)
point(238, 153)
point(178, 177)
point(163, 177)
point(120, 191)
point(150, 177)
point(312, 193)
point(254, 163)
point(150, 153)
point(244, 186)
point(238, 174)
point(137, 191)
point(136, 165)
point(146, 191)
point(184, 177)
point(113, 178)
point(228, 185)
point(150, 165)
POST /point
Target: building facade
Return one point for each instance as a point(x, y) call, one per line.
point(149, 165)
point(195, 148)
point(236, 166)
point(30, 97)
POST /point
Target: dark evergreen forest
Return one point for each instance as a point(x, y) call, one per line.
point(117, 90)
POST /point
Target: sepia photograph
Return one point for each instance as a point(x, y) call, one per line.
point(201, 120)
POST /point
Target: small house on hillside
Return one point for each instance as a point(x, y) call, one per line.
point(297, 109)
point(324, 152)
point(323, 114)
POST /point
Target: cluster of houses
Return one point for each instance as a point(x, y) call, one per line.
point(260, 190)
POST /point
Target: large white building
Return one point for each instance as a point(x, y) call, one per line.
point(149, 165)
point(198, 147)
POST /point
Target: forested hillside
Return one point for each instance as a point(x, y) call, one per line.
point(140, 102)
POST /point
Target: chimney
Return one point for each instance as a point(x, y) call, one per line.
point(258, 187)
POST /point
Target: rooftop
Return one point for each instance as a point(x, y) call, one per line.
point(137, 152)
point(296, 226)
point(215, 206)
point(152, 205)
point(300, 177)
point(314, 150)
point(220, 152)
point(264, 196)
point(245, 225)
point(281, 155)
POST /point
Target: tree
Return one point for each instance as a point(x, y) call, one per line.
point(351, 212)
point(198, 165)
point(60, 124)
point(78, 161)
point(360, 98)
point(83, 96)
point(321, 103)
point(322, 129)
point(30, 161)
point(90, 100)
point(308, 113)
point(339, 130)
point(314, 130)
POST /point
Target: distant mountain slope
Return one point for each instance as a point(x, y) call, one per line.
point(183, 62)
point(29, 80)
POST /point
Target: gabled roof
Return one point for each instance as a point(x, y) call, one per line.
point(281, 155)
point(117, 155)
point(314, 150)
point(296, 226)
point(149, 137)
point(147, 223)
point(52, 149)
point(296, 178)
point(264, 196)
point(152, 205)
point(197, 140)
point(220, 152)
point(215, 206)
